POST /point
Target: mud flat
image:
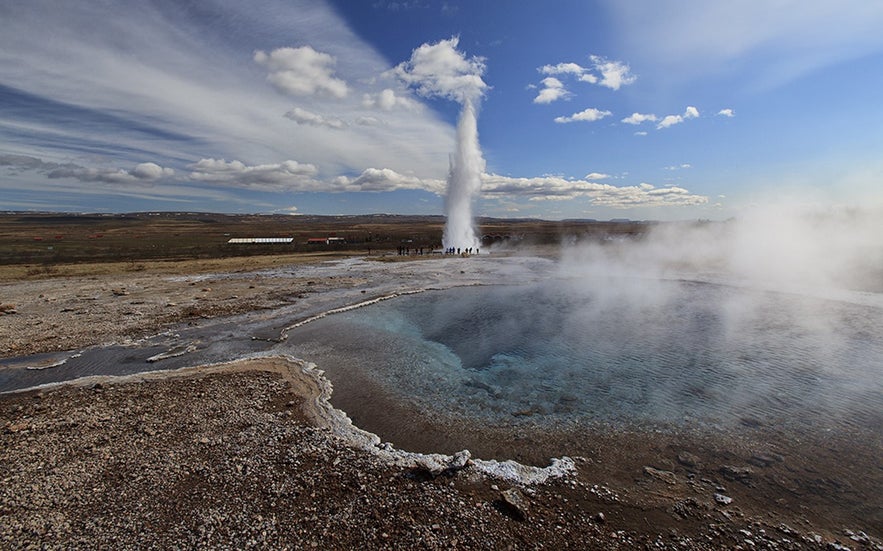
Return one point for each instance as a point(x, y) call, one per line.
point(251, 454)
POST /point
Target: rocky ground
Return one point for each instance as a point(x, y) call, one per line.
point(238, 457)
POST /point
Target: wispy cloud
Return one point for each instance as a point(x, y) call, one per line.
point(387, 100)
point(154, 83)
point(766, 43)
point(302, 116)
point(550, 188)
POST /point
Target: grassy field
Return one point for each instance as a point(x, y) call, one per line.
point(37, 242)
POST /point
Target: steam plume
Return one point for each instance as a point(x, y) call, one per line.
point(464, 183)
point(439, 70)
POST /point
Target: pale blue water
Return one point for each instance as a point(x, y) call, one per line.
point(631, 352)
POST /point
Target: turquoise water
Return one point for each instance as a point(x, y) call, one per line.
point(614, 351)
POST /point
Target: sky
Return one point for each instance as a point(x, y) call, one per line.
point(607, 109)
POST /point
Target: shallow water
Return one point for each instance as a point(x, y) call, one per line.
point(625, 351)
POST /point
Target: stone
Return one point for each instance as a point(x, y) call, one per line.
point(666, 476)
point(765, 459)
point(722, 499)
point(687, 459)
point(515, 503)
point(742, 474)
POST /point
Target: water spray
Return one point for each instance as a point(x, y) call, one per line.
point(464, 183)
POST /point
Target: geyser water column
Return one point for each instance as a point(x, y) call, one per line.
point(464, 183)
point(441, 71)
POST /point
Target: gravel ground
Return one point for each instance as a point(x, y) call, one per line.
point(231, 459)
point(251, 455)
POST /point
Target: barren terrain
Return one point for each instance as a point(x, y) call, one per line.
point(240, 455)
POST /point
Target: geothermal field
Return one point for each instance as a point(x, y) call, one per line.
point(670, 385)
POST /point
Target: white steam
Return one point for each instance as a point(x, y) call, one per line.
point(464, 183)
point(440, 70)
point(776, 248)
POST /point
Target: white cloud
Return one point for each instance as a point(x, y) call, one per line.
point(302, 71)
point(177, 89)
point(727, 113)
point(671, 120)
point(562, 69)
point(387, 100)
point(144, 172)
point(385, 179)
point(588, 115)
point(604, 72)
point(440, 70)
point(640, 133)
point(679, 167)
point(302, 116)
point(614, 74)
point(552, 90)
point(285, 176)
point(292, 176)
point(638, 118)
point(552, 188)
point(596, 176)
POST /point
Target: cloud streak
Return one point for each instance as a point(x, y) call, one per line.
point(550, 188)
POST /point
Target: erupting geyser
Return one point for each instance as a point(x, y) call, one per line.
point(439, 70)
point(464, 183)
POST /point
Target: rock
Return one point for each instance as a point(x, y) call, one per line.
point(687, 459)
point(515, 503)
point(600, 518)
point(742, 474)
point(666, 476)
point(438, 464)
point(722, 499)
point(765, 459)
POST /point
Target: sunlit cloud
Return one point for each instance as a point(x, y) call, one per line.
point(551, 188)
point(603, 72)
point(638, 118)
point(614, 74)
point(727, 113)
point(302, 71)
point(552, 90)
point(285, 176)
point(588, 115)
point(440, 70)
point(671, 120)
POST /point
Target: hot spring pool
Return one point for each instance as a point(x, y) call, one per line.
point(628, 352)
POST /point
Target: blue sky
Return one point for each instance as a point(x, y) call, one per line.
point(669, 110)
